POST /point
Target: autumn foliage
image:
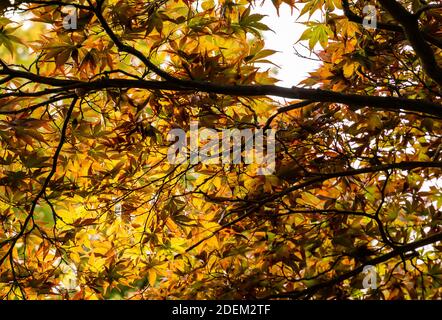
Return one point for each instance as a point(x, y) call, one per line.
point(90, 208)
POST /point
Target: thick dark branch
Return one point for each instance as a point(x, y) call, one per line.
point(353, 17)
point(173, 83)
point(426, 8)
point(394, 253)
point(313, 95)
point(410, 26)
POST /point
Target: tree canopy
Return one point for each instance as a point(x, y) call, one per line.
point(91, 208)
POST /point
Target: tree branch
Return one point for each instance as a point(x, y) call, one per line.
point(42, 191)
point(405, 165)
point(125, 48)
point(423, 50)
point(313, 95)
point(426, 8)
point(351, 16)
point(396, 252)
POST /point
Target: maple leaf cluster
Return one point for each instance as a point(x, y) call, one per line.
point(90, 207)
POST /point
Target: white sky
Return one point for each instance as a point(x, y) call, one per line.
point(286, 32)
